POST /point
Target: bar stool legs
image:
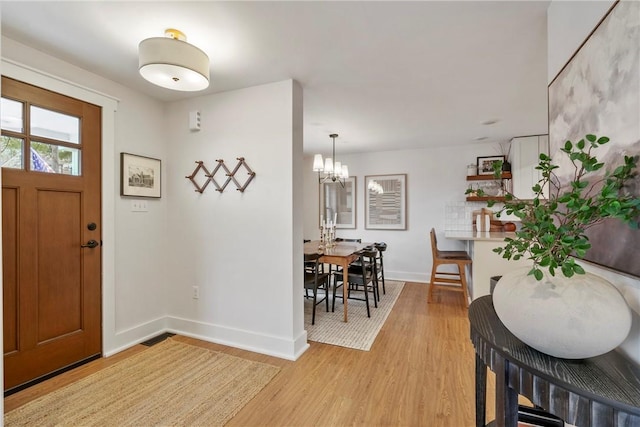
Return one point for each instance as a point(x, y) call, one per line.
point(444, 280)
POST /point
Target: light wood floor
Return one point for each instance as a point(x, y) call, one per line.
point(419, 372)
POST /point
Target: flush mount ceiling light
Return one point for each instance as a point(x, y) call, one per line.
point(332, 170)
point(173, 63)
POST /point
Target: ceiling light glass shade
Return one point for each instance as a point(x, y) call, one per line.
point(317, 163)
point(173, 64)
point(345, 172)
point(328, 165)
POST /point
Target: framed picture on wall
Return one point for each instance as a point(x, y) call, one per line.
point(590, 96)
point(339, 202)
point(385, 202)
point(139, 176)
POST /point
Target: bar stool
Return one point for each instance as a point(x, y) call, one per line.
point(443, 280)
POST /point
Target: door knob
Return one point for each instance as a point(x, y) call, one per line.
point(90, 244)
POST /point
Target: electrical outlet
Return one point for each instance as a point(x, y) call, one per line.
point(195, 292)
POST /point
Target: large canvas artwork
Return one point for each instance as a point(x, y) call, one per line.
point(598, 92)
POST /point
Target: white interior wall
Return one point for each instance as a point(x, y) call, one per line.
point(434, 176)
point(568, 25)
point(242, 250)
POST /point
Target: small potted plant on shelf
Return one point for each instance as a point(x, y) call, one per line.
point(552, 232)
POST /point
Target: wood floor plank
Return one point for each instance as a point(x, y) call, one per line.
point(419, 372)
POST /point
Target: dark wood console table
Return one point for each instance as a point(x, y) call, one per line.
point(602, 391)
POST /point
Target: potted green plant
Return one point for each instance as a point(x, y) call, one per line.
point(553, 229)
point(552, 232)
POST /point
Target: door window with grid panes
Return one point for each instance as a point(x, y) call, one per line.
point(38, 139)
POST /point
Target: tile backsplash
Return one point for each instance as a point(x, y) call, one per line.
point(457, 215)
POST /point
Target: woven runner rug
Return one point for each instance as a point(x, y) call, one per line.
point(169, 384)
point(360, 331)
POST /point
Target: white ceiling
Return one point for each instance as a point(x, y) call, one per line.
point(383, 75)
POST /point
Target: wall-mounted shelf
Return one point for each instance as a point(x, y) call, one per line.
point(505, 184)
point(505, 175)
point(484, 198)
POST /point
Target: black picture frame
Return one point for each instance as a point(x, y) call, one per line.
point(140, 176)
point(485, 164)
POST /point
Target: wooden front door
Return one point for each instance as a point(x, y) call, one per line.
point(51, 231)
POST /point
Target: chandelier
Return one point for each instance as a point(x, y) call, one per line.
point(330, 169)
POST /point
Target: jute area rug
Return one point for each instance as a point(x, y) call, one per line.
point(360, 331)
point(169, 384)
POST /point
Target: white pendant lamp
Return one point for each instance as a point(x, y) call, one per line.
point(172, 63)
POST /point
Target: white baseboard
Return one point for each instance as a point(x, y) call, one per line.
point(246, 340)
point(407, 276)
point(132, 336)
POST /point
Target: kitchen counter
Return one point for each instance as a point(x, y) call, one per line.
point(486, 263)
point(489, 236)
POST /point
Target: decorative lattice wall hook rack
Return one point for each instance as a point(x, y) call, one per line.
point(210, 176)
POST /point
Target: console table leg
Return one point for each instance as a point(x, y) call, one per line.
point(506, 397)
point(481, 392)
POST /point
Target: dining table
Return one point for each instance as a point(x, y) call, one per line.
point(340, 253)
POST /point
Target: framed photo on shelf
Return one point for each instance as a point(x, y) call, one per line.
point(485, 164)
point(139, 176)
point(339, 202)
point(385, 202)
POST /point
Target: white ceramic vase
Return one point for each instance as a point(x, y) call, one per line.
point(572, 318)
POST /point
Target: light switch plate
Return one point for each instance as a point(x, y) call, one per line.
point(139, 206)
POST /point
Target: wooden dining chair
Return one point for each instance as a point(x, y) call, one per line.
point(337, 270)
point(445, 280)
point(363, 277)
point(381, 247)
point(316, 279)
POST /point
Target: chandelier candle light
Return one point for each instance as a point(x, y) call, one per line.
point(328, 232)
point(332, 169)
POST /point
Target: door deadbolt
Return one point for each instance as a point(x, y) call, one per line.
point(92, 226)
